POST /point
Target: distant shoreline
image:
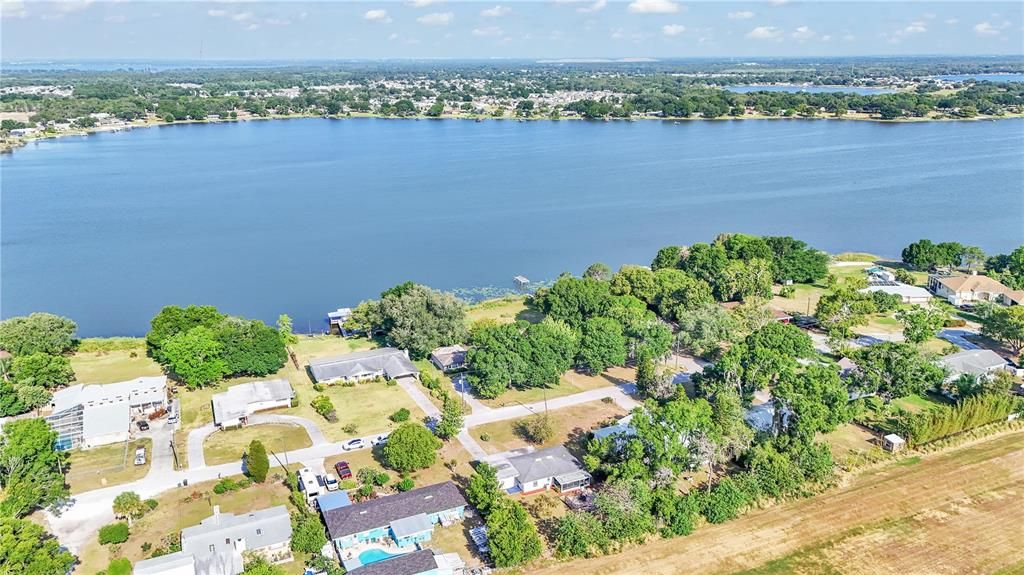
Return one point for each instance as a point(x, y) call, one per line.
point(10, 145)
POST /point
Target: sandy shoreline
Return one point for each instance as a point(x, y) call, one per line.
point(13, 143)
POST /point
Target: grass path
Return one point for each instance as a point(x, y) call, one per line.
point(920, 500)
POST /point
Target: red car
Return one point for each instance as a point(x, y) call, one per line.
point(343, 471)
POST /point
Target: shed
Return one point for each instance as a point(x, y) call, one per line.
point(333, 500)
point(893, 443)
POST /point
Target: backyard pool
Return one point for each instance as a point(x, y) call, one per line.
point(375, 555)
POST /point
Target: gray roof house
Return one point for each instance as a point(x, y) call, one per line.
point(973, 362)
point(449, 358)
point(216, 546)
point(386, 361)
point(546, 468)
point(393, 509)
point(240, 401)
point(422, 562)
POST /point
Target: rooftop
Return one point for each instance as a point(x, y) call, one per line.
point(392, 362)
point(973, 283)
point(381, 512)
point(972, 361)
point(413, 563)
point(550, 462)
point(138, 390)
point(233, 403)
point(450, 355)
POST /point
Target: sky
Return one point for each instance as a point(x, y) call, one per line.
point(138, 29)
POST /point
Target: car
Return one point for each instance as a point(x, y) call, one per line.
point(331, 482)
point(343, 470)
point(143, 425)
point(140, 456)
point(354, 444)
point(380, 439)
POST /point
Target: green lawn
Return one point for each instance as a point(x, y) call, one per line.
point(229, 444)
point(112, 366)
point(919, 403)
point(568, 423)
point(855, 257)
point(503, 310)
point(572, 382)
point(107, 465)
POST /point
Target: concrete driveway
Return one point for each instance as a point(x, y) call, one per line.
point(956, 337)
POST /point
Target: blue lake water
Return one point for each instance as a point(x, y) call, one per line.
point(303, 216)
point(985, 77)
point(809, 89)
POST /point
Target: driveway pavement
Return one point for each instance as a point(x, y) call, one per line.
point(620, 394)
point(956, 337)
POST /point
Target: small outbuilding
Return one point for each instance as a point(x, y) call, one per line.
point(449, 358)
point(893, 443)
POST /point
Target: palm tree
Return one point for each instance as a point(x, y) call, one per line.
point(129, 505)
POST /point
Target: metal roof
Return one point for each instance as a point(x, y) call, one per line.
point(134, 392)
point(381, 512)
point(972, 361)
point(234, 402)
point(390, 361)
point(408, 526)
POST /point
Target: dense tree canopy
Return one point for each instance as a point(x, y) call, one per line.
point(895, 370)
point(816, 399)
point(1005, 324)
point(30, 467)
point(602, 345)
point(37, 333)
point(195, 356)
point(27, 549)
point(519, 355)
point(925, 255)
point(920, 324)
point(763, 358)
point(573, 300)
point(1008, 268)
point(42, 369)
point(413, 317)
point(512, 535)
point(795, 260)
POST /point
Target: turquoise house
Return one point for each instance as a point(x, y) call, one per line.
point(405, 518)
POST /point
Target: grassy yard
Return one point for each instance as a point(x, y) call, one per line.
point(316, 346)
point(438, 472)
point(849, 439)
point(503, 310)
point(855, 257)
point(572, 382)
point(367, 406)
point(919, 403)
point(804, 300)
point(112, 366)
point(228, 445)
point(107, 465)
point(177, 510)
point(569, 423)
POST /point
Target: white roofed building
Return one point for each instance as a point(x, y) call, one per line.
point(234, 406)
point(88, 415)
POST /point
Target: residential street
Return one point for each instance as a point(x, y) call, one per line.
point(87, 512)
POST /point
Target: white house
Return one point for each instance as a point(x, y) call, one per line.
point(386, 362)
point(217, 545)
point(977, 362)
point(960, 290)
point(88, 415)
point(907, 293)
point(234, 406)
point(541, 470)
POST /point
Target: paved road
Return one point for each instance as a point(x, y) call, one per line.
point(87, 512)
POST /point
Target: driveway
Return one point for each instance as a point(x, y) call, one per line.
point(196, 437)
point(956, 337)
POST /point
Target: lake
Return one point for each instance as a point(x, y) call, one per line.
point(862, 90)
point(303, 216)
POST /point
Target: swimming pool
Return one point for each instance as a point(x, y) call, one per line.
point(375, 555)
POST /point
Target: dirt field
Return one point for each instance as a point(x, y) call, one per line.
point(954, 512)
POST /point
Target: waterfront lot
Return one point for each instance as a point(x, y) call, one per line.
point(572, 382)
point(107, 465)
point(113, 366)
point(924, 517)
point(503, 310)
point(570, 424)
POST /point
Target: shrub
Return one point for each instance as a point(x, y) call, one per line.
point(723, 502)
point(225, 485)
point(120, 566)
point(364, 492)
point(954, 322)
point(405, 484)
point(151, 503)
point(787, 291)
point(323, 405)
point(319, 387)
point(536, 428)
point(607, 400)
point(257, 464)
point(346, 484)
point(114, 533)
point(400, 415)
point(350, 428)
point(485, 436)
point(146, 547)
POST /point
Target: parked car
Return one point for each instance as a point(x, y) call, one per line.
point(140, 456)
point(380, 439)
point(343, 470)
point(354, 444)
point(143, 425)
point(331, 482)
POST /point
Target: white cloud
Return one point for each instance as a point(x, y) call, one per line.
point(618, 34)
point(496, 12)
point(437, 19)
point(952, 21)
point(492, 31)
point(778, 2)
point(673, 29)
point(803, 33)
point(918, 27)
point(765, 33)
point(986, 29)
point(654, 7)
point(422, 3)
point(595, 6)
point(216, 13)
point(740, 15)
point(13, 9)
point(252, 27)
point(393, 36)
point(377, 16)
point(241, 16)
point(277, 21)
point(826, 38)
point(116, 19)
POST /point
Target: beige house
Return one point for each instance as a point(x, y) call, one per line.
point(961, 290)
